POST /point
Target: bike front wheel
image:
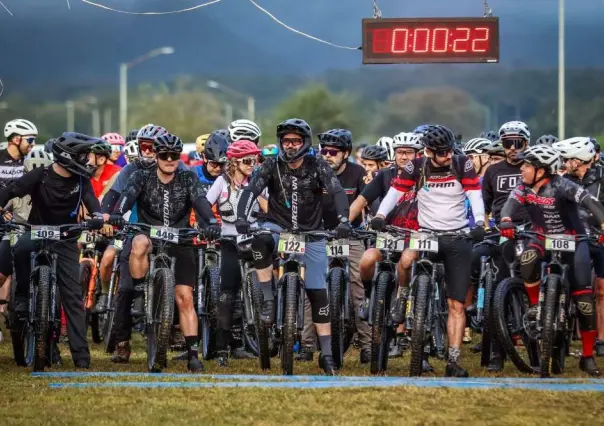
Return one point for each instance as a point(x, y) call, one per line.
point(381, 331)
point(42, 320)
point(162, 315)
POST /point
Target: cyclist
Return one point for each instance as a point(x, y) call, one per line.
point(442, 182)
point(496, 153)
point(578, 155)
point(214, 159)
point(196, 157)
point(336, 147)
point(165, 196)
point(131, 151)
point(57, 193)
point(244, 130)
point(104, 171)
point(296, 183)
point(373, 158)
point(552, 203)
point(225, 192)
point(475, 149)
point(386, 143)
point(117, 143)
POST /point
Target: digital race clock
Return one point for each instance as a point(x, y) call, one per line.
point(426, 40)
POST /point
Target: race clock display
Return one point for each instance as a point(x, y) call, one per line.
point(429, 40)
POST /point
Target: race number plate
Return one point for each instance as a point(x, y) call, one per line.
point(45, 233)
point(164, 233)
point(291, 243)
point(87, 237)
point(118, 244)
point(339, 248)
point(560, 242)
point(423, 242)
point(385, 241)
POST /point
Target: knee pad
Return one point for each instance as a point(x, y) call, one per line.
point(262, 250)
point(528, 264)
point(319, 304)
point(586, 309)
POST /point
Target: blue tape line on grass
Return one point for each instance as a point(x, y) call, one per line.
point(453, 384)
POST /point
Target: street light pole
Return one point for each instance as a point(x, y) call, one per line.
point(561, 73)
point(70, 107)
point(251, 102)
point(124, 82)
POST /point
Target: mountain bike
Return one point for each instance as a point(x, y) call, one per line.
point(89, 278)
point(108, 332)
point(207, 294)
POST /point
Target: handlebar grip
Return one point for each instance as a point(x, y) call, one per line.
point(95, 223)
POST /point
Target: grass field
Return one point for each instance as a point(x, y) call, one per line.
point(29, 400)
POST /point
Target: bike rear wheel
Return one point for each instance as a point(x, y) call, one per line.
point(381, 331)
point(418, 333)
point(550, 318)
point(261, 330)
point(22, 333)
point(290, 329)
point(162, 312)
point(208, 321)
point(42, 320)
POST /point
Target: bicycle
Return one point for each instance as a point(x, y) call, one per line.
point(108, 332)
point(159, 297)
point(89, 279)
point(548, 336)
point(425, 306)
point(207, 294)
point(36, 344)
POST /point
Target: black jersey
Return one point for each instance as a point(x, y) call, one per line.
point(352, 182)
point(498, 182)
point(10, 169)
point(295, 196)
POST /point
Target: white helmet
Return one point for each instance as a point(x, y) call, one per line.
point(131, 149)
point(579, 147)
point(244, 129)
point(36, 158)
point(542, 156)
point(476, 146)
point(407, 140)
point(20, 127)
point(515, 128)
point(387, 142)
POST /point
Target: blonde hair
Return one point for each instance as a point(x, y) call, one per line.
point(230, 169)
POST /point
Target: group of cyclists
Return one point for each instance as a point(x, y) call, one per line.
point(425, 179)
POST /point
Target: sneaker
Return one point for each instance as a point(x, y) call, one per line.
point(328, 364)
point(395, 350)
point(241, 353)
point(222, 358)
point(599, 348)
point(364, 310)
point(305, 355)
point(467, 335)
point(181, 357)
point(268, 312)
point(426, 367)
point(365, 356)
point(588, 365)
point(495, 364)
point(122, 353)
point(101, 304)
point(398, 310)
point(195, 365)
point(455, 370)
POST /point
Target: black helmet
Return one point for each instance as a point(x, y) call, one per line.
point(71, 151)
point(299, 127)
point(167, 142)
point(338, 138)
point(490, 135)
point(496, 148)
point(548, 140)
point(101, 148)
point(437, 138)
point(225, 133)
point(48, 145)
point(375, 153)
point(132, 135)
point(216, 147)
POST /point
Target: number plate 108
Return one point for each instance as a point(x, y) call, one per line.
point(560, 243)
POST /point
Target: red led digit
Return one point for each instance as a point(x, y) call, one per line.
point(418, 40)
point(382, 40)
point(463, 40)
point(440, 37)
point(481, 39)
point(400, 40)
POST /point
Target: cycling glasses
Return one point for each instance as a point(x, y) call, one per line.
point(292, 141)
point(29, 140)
point(330, 152)
point(168, 155)
point(516, 143)
point(215, 164)
point(117, 148)
point(443, 152)
point(248, 161)
point(145, 146)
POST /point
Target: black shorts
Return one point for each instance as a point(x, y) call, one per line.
point(455, 253)
point(185, 267)
point(6, 258)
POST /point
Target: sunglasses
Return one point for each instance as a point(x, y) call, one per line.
point(330, 152)
point(116, 148)
point(405, 153)
point(215, 164)
point(168, 155)
point(248, 161)
point(516, 143)
point(443, 152)
point(146, 146)
point(292, 141)
point(29, 140)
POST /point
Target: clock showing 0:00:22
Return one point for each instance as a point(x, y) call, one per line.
point(429, 40)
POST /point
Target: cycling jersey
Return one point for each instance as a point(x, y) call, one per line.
point(553, 208)
point(164, 204)
point(499, 180)
point(10, 169)
point(592, 182)
point(352, 182)
point(441, 194)
point(207, 181)
point(55, 200)
point(98, 185)
point(295, 195)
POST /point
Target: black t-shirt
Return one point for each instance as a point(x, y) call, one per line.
point(10, 169)
point(351, 180)
point(377, 189)
point(55, 200)
point(498, 182)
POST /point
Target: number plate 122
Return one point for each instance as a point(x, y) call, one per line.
point(289, 243)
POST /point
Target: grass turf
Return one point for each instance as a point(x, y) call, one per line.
point(29, 400)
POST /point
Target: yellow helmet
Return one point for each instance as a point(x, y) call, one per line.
point(200, 142)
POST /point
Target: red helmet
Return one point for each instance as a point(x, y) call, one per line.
point(242, 148)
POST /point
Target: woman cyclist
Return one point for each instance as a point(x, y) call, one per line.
point(225, 192)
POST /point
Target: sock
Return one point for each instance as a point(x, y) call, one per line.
point(454, 354)
point(325, 345)
point(267, 290)
point(588, 339)
point(191, 342)
point(367, 286)
point(533, 294)
point(105, 287)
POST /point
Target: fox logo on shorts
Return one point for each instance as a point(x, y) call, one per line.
point(324, 311)
point(257, 255)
